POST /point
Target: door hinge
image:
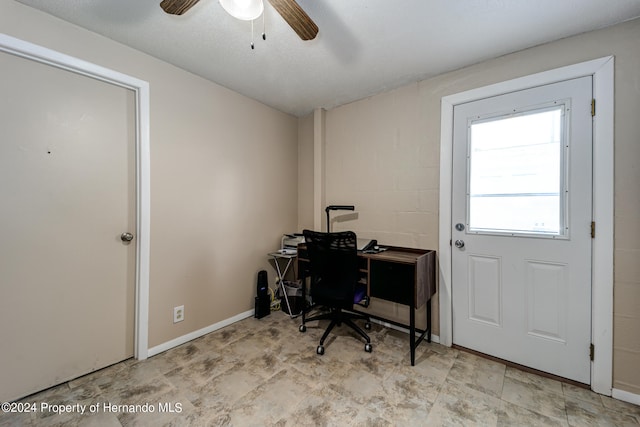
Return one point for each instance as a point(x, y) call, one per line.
point(450, 242)
point(592, 350)
point(593, 107)
point(593, 229)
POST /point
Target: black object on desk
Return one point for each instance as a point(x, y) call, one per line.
point(336, 208)
point(402, 275)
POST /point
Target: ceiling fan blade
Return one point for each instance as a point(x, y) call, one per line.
point(296, 18)
point(177, 7)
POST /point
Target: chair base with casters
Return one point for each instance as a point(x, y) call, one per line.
point(338, 316)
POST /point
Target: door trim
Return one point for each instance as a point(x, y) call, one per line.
point(602, 70)
point(47, 56)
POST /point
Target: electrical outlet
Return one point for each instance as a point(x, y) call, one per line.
point(178, 314)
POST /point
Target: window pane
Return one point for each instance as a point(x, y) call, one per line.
point(515, 173)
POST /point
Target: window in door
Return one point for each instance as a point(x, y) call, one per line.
point(516, 178)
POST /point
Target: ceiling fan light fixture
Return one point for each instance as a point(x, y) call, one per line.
point(245, 10)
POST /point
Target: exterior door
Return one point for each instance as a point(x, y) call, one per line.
point(67, 193)
point(521, 213)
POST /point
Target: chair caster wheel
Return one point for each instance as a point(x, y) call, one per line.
point(367, 326)
point(302, 328)
point(320, 350)
point(368, 348)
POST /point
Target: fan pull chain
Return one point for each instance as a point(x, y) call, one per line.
point(252, 45)
point(264, 30)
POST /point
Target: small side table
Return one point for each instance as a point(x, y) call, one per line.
point(278, 258)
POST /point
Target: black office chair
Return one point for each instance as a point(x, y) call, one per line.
point(333, 268)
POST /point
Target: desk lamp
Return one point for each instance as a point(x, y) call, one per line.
point(336, 208)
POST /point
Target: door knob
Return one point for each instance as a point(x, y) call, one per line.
point(126, 237)
point(459, 244)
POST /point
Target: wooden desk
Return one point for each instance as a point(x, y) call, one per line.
point(401, 275)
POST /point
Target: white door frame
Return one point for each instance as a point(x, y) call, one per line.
point(602, 70)
point(43, 55)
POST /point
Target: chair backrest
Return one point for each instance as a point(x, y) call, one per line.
point(333, 264)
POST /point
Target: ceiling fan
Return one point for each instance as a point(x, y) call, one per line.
point(288, 9)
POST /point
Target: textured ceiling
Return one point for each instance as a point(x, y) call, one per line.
point(364, 46)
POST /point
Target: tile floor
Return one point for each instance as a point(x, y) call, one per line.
point(266, 373)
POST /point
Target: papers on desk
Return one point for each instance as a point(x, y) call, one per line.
point(287, 251)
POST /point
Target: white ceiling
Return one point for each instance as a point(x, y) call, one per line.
point(363, 47)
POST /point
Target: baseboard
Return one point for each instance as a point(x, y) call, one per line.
point(434, 338)
point(197, 334)
point(200, 332)
point(626, 396)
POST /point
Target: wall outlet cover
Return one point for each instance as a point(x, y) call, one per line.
point(178, 314)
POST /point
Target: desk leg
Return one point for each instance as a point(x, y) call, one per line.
point(429, 320)
point(423, 334)
point(412, 333)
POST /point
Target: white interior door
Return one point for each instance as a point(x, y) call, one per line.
point(67, 192)
point(521, 216)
